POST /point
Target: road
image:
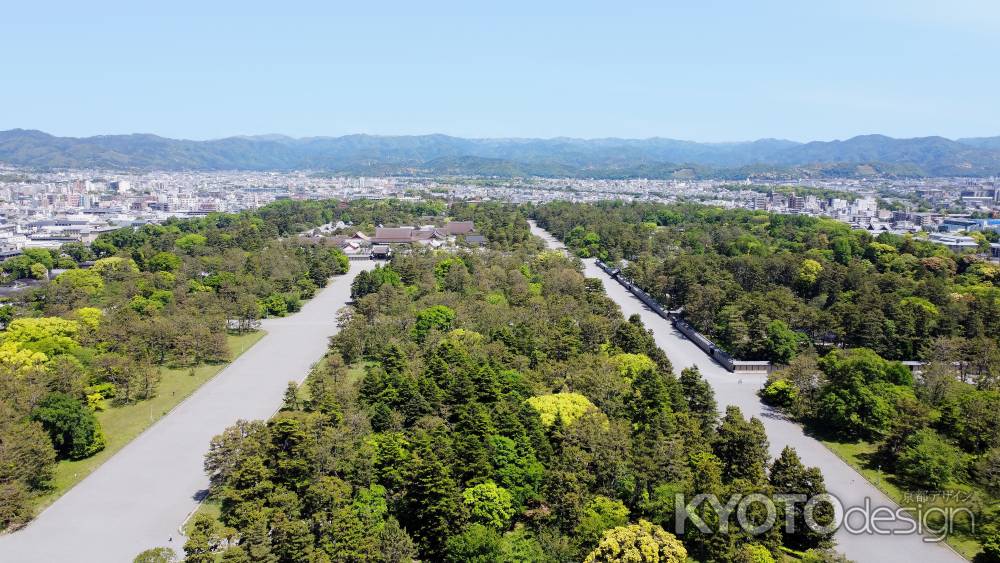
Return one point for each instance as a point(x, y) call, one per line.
point(842, 480)
point(138, 498)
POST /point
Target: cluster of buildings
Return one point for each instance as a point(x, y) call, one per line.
point(359, 246)
point(952, 230)
point(49, 208)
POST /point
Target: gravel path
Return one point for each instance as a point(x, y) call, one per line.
point(138, 498)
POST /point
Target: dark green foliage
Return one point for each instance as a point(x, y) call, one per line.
point(700, 398)
point(741, 446)
point(927, 461)
point(202, 541)
point(991, 546)
point(369, 281)
point(789, 477)
point(860, 399)
point(433, 449)
point(74, 431)
point(766, 286)
point(437, 317)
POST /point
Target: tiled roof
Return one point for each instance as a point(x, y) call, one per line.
point(460, 227)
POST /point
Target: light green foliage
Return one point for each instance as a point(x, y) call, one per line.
point(40, 256)
point(164, 262)
point(489, 504)
point(638, 543)
point(437, 317)
point(600, 514)
point(190, 242)
point(19, 360)
point(89, 317)
point(114, 265)
point(276, 305)
point(753, 553)
point(50, 335)
point(39, 272)
point(779, 393)
point(809, 272)
point(567, 406)
point(156, 555)
point(631, 364)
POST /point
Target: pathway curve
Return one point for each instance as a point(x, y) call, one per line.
point(137, 499)
point(842, 480)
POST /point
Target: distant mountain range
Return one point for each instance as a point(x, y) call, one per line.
point(559, 157)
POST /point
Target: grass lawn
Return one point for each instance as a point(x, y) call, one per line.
point(121, 425)
point(211, 507)
point(859, 455)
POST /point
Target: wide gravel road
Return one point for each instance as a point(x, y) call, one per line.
point(841, 479)
point(140, 496)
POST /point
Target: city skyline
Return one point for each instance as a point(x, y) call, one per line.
point(710, 73)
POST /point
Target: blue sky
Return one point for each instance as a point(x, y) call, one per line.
point(699, 69)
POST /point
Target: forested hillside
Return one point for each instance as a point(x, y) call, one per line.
point(838, 306)
point(489, 406)
point(557, 157)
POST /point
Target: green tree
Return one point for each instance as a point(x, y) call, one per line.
point(291, 400)
point(73, 429)
point(927, 460)
point(433, 511)
point(600, 514)
point(164, 262)
point(790, 477)
point(782, 342)
point(988, 471)
point(26, 453)
point(475, 544)
point(202, 540)
point(779, 393)
point(990, 540)
point(753, 553)
point(189, 242)
point(489, 504)
point(156, 555)
point(700, 398)
point(642, 542)
point(741, 446)
point(437, 317)
point(291, 539)
point(395, 545)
